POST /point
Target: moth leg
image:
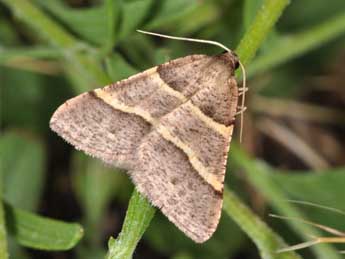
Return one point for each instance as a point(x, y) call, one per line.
point(241, 110)
point(242, 90)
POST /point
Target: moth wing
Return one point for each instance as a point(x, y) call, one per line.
point(93, 123)
point(96, 128)
point(171, 129)
point(181, 162)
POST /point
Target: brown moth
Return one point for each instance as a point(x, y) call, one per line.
point(170, 127)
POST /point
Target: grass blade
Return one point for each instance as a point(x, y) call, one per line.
point(265, 239)
point(258, 176)
point(289, 47)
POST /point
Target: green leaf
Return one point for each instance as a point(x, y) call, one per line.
point(95, 186)
point(291, 46)
point(8, 36)
point(91, 23)
point(131, 22)
point(172, 239)
point(138, 217)
point(317, 12)
point(22, 168)
point(117, 67)
point(169, 12)
point(323, 188)
point(192, 17)
point(29, 95)
point(46, 27)
point(259, 176)
point(39, 232)
point(140, 50)
point(11, 54)
point(265, 239)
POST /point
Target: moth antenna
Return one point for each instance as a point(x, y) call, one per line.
point(216, 44)
point(187, 39)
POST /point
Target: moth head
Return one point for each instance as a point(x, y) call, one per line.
point(230, 58)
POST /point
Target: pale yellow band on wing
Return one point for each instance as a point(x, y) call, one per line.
point(164, 132)
point(115, 103)
point(198, 166)
point(218, 127)
point(165, 87)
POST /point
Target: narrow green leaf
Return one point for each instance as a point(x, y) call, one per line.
point(309, 186)
point(258, 175)
point(117, 68)
point(91, 23)
point(8, 54)
point(22, 168)
point(112, 8)
point(196, 18)
point(131, 22)
point(39, 232)
point(47, 28)
point(289, 47)
point(265, 239)
point(81, 61)
point(171, 11)
point(138, 217)
point(95, 186)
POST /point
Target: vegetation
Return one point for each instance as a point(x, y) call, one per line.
point(57, 203)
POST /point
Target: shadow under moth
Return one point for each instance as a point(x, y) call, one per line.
point(170, 127)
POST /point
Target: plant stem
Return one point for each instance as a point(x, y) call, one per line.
point(262, 24)
point(138, 217)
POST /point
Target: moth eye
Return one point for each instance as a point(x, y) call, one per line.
point(237, 64)
point(236, 61)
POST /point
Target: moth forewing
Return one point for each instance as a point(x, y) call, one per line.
point(170, 127)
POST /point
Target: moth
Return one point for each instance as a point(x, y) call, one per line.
point(170, 127)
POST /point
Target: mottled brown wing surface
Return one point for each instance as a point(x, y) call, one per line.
point(181, 162)
point(170, 126)
point(95, 124)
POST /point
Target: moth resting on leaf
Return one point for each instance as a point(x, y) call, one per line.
point(170, 127)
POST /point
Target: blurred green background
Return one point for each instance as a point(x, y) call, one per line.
point(294, 130)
